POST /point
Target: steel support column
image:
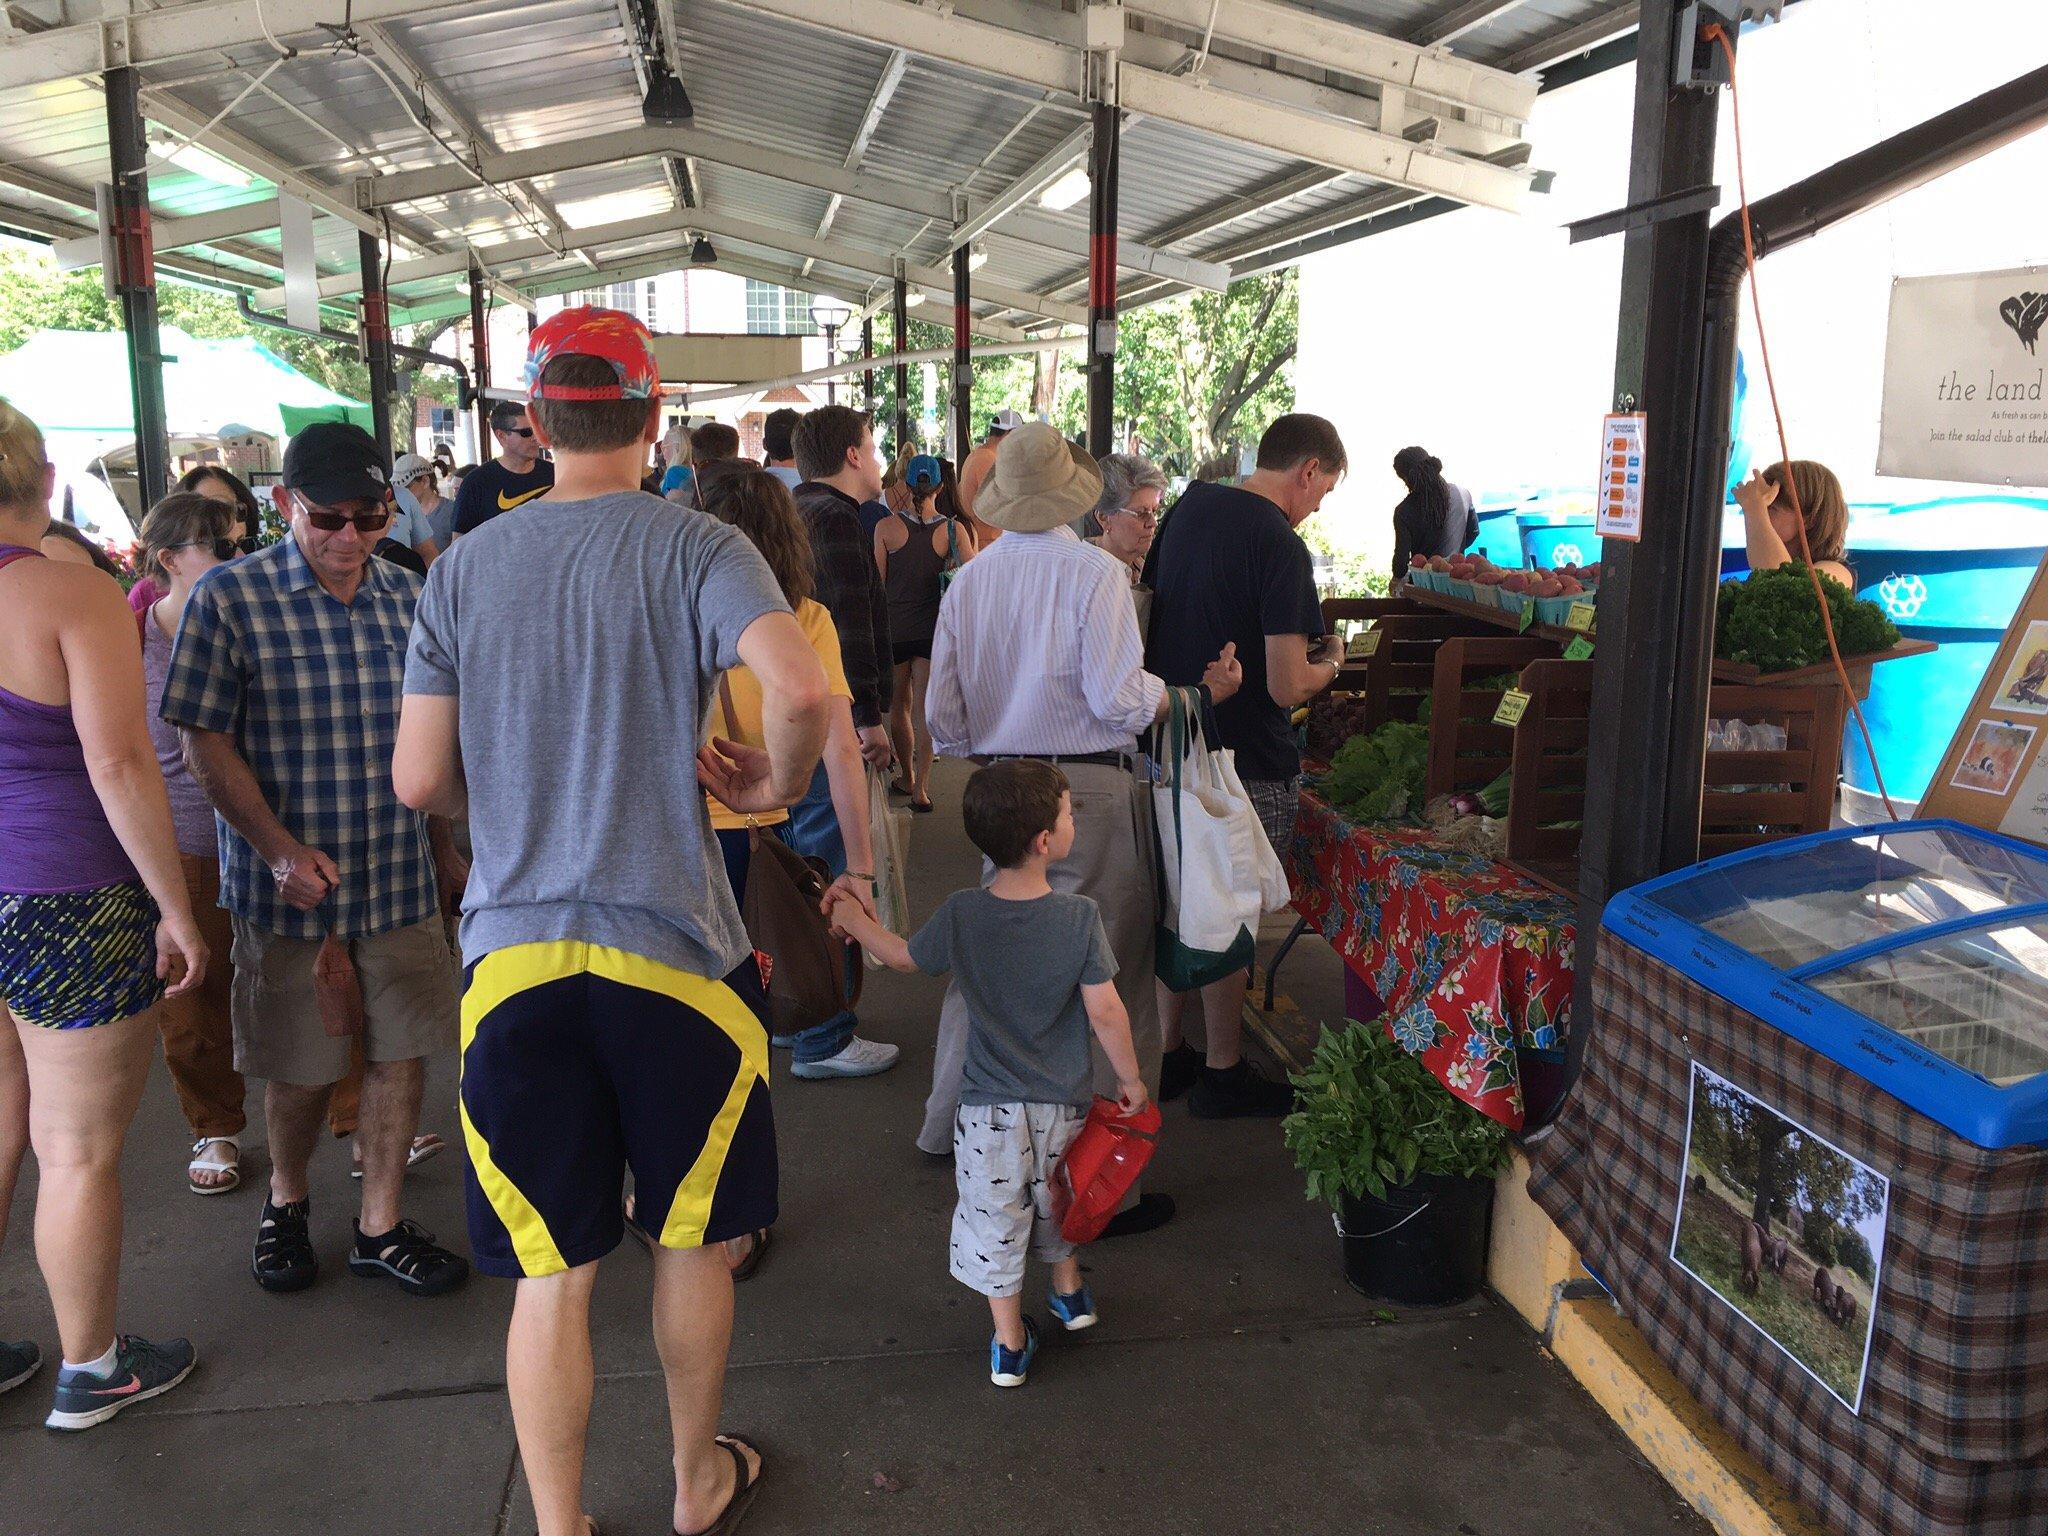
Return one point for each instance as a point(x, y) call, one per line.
point(1654, 662)
point(134, 277)
point(902, 309)
point(867, 375)
point(480, 359)
point(1105, 122)
point(376, 333)
point(963, 365)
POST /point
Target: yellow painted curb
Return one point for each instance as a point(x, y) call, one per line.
point(1529, 1265)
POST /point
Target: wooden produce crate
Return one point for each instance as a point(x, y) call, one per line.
point(1467, 751)
point(1549, 760)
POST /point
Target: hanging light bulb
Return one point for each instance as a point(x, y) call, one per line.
point(701, 253)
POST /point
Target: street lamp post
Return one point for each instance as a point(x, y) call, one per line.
point(828, 318)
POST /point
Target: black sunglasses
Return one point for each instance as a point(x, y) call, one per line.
point(515, 431)
point(334, 522)
point(223, 549)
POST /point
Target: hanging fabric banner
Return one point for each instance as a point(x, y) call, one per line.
point(1966, 378)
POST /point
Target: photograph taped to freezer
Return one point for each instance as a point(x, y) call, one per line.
point(1784, 1227)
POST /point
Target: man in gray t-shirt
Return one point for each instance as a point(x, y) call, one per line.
point(560, 674)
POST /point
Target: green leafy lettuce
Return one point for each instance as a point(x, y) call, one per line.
point(1381, 777)
point(1770, 620)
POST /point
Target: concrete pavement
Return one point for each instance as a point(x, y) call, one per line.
point(1235, 1383)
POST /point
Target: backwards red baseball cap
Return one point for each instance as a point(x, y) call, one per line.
point(586, 331)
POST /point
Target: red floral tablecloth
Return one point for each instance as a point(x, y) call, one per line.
point(1471, 960)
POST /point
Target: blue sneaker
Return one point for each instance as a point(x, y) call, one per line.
point(1010, 1367)
point(18, 1362)
point(142, 1370)
point(1075, 1312)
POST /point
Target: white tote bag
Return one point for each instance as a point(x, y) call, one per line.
point(889, 835)
point(1211, 846)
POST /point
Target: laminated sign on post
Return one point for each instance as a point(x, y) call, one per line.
point(1965, 378)
point(1995, 773)
point(1620, 508)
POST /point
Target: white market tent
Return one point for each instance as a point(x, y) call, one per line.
point(834, 143)
point(77, 382)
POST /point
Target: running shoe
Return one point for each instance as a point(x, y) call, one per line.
point(859, 1058)
point(1011, 1367)
point(142, 1370)
point(1075, 1312)
point(18, 1362)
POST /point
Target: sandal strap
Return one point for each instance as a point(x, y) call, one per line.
point(283, 1238)
point(410, 1249)
point(200, 1146)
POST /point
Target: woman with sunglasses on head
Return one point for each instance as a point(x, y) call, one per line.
point(184, 536)
point(225, 488)
point(1771, 521)
point(94, 921)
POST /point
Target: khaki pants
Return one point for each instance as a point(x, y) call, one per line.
point(199, 1041)
point(1116, 862)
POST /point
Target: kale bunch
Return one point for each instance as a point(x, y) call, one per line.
point(1770, 620)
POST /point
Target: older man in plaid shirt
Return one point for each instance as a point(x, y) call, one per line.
point(286, 682)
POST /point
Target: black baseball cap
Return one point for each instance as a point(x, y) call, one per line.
point(332, 462)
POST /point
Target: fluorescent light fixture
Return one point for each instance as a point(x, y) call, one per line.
point(199, 162)
point(1066, 191)
point(913, 298)
point(977, 257)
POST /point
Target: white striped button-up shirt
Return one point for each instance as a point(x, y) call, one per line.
point(1038, 652)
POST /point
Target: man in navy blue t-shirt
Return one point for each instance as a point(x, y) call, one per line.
point(1229, 568)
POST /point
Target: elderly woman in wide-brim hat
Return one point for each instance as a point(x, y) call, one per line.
point(1038, 655)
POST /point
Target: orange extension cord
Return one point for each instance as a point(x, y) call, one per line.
point(1719, 34)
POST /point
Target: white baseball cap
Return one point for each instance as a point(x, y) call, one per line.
point(1006, 421)
point(410, 467)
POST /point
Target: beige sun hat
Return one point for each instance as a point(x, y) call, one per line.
point(1040, 482)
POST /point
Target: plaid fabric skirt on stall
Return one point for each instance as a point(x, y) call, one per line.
point(1951, 1432)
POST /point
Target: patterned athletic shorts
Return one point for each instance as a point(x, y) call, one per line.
point(74, 959)
point(1004, 1158)
point(1278, 802)
point(580, 1062)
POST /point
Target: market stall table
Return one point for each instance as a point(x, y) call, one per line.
point(1472, 961)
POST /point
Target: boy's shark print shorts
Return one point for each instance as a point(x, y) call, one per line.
point(1004, 1158)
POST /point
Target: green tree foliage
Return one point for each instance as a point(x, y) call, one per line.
point(1782, 1167)
point(1200, 377)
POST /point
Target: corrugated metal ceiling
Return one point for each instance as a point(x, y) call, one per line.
point(533, 73)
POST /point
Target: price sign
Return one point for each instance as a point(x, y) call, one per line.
point(1619, 514)
point(1581, 649)
point(1580, 617)
point(1366, 643)
point(1513, 705)
point(1528, 615)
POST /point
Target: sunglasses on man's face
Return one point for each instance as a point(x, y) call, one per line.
point(515, 431)
point(367, 523)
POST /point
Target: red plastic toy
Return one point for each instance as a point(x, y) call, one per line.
point(1102, 1165)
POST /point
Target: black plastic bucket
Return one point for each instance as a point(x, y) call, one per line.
point(1424, 1244)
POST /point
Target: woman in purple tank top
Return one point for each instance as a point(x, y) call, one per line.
point(94, 921)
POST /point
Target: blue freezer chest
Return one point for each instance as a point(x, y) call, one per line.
point(1914, 954)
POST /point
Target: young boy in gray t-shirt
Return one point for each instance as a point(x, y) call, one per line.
point(1035, 969)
